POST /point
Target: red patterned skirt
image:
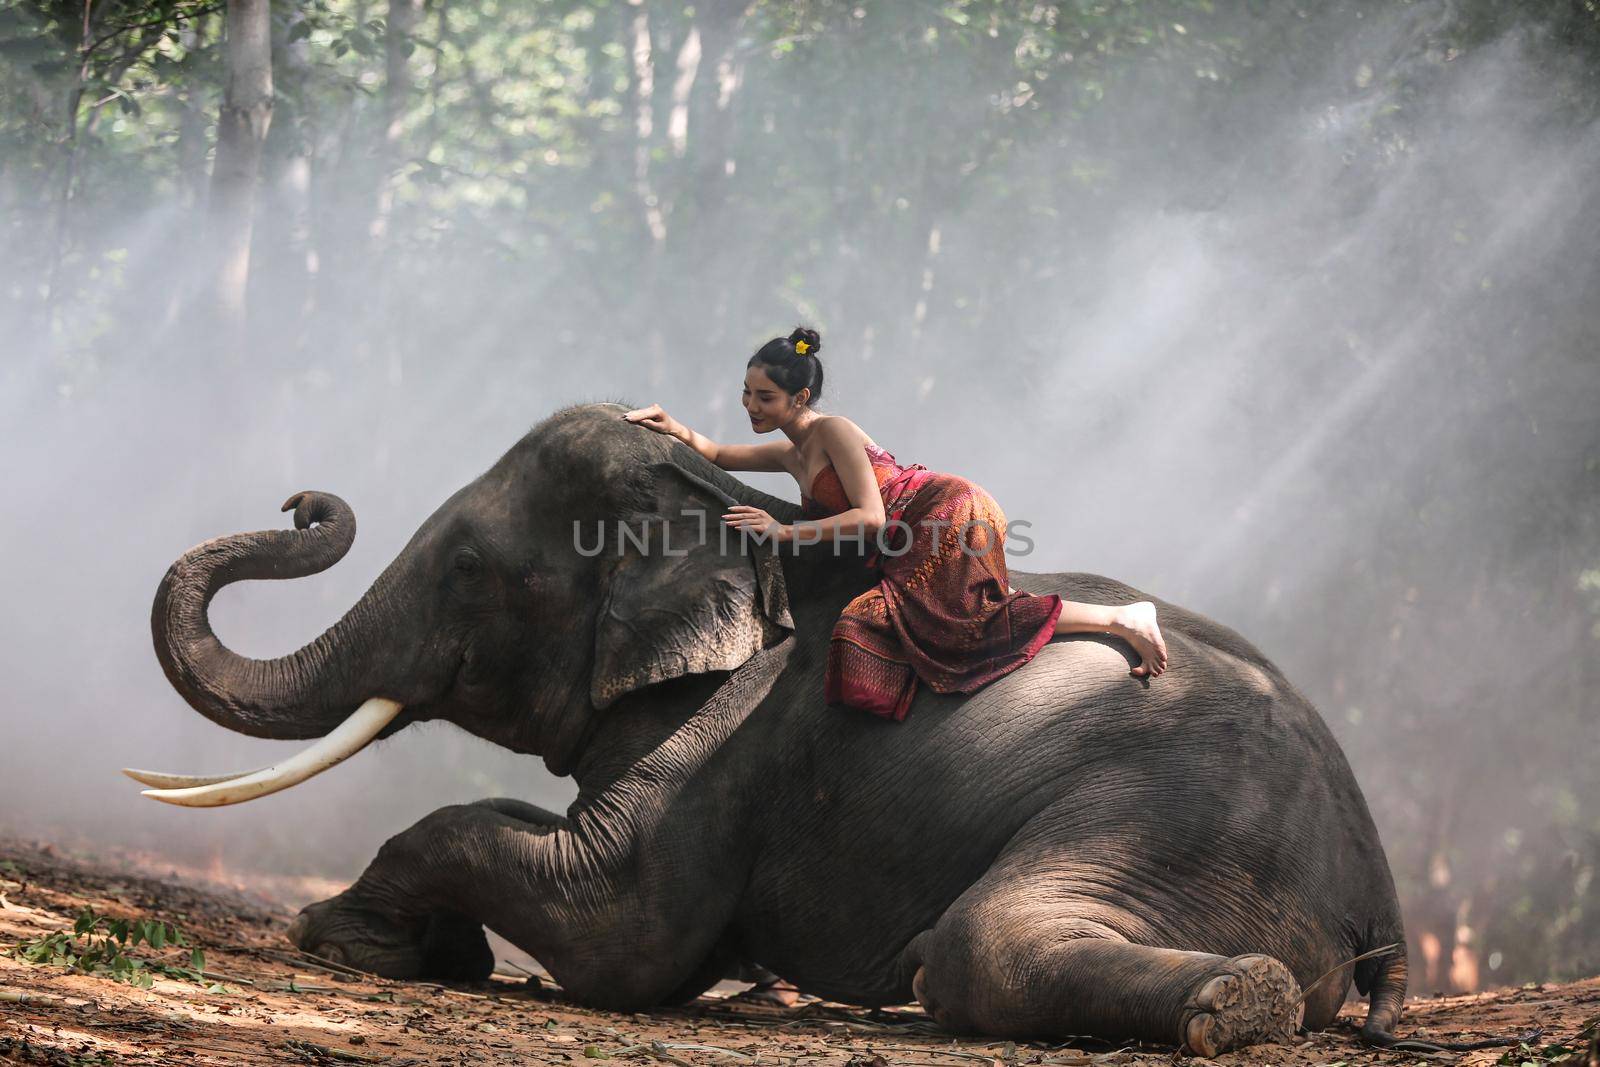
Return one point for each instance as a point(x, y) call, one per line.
point(940, 611)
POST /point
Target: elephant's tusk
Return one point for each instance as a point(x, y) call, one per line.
point(344, 741)
point(161, 780)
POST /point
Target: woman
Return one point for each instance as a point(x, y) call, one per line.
point(942, 611)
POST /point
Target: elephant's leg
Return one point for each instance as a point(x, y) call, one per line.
point(1019, 960)
point(623, 903)
point(522, 811)
point(445, 944)
point(612, 930)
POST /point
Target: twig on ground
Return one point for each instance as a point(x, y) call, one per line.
point(292, 986)
point(858, 1024)
point(689, 1047)
point(211, 1048)
point(462, 993)
point(662, 1050)
point(940, 1050)
point(6, 905)
point(19, 997)
point(218, 976)
point(326, 1052)
point(316, 962)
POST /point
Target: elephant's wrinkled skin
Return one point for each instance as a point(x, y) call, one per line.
point(1068, 850)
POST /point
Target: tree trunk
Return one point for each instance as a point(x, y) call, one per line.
point(72, 148)
point(192, 121)
point(241, 131)
point(644, 83)
point(398, 30)
point(688, 65)
point(721, 22)
point(286, 185)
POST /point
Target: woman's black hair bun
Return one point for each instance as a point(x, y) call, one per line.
point(812, 339)
point(791, 364)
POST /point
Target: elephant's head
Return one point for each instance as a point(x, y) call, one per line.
point(520, 610)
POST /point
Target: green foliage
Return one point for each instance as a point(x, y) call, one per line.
point(100, 945)
point(1526, 1055)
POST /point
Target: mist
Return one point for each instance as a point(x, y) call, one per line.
point(1288, 317)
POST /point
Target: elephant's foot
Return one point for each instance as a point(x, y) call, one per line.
point(1253, 1000)
point(442, 947)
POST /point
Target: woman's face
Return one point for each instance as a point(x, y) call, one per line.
point(768, 406)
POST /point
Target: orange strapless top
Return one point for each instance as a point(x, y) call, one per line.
point(897, 486)
point(827, 493)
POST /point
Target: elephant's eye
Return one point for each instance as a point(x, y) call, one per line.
point(466, 562)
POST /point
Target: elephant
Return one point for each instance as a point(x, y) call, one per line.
point(1068, 850)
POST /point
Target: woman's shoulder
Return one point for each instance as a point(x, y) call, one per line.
point(838, 430)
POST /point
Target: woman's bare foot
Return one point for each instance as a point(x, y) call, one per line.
point(1136, 624)
point(784, 994)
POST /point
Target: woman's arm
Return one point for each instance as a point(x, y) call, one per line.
point(728, 457)
point(767, 457)
point(852, 525)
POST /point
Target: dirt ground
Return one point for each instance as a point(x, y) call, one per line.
point(279, 1006)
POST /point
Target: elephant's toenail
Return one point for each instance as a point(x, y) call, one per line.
point(1198, 1035)
point(1211, 994)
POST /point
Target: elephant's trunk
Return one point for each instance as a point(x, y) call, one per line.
point(304, 694)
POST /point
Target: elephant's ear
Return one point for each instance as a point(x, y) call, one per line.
point(687, 605)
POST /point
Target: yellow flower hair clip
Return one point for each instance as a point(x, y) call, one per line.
point(801, 348)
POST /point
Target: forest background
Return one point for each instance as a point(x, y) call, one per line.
point(1283, 310)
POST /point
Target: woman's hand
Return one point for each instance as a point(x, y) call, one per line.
point(655, 419)
point(755, 521)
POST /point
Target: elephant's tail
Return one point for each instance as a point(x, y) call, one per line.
point(1384, 977)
